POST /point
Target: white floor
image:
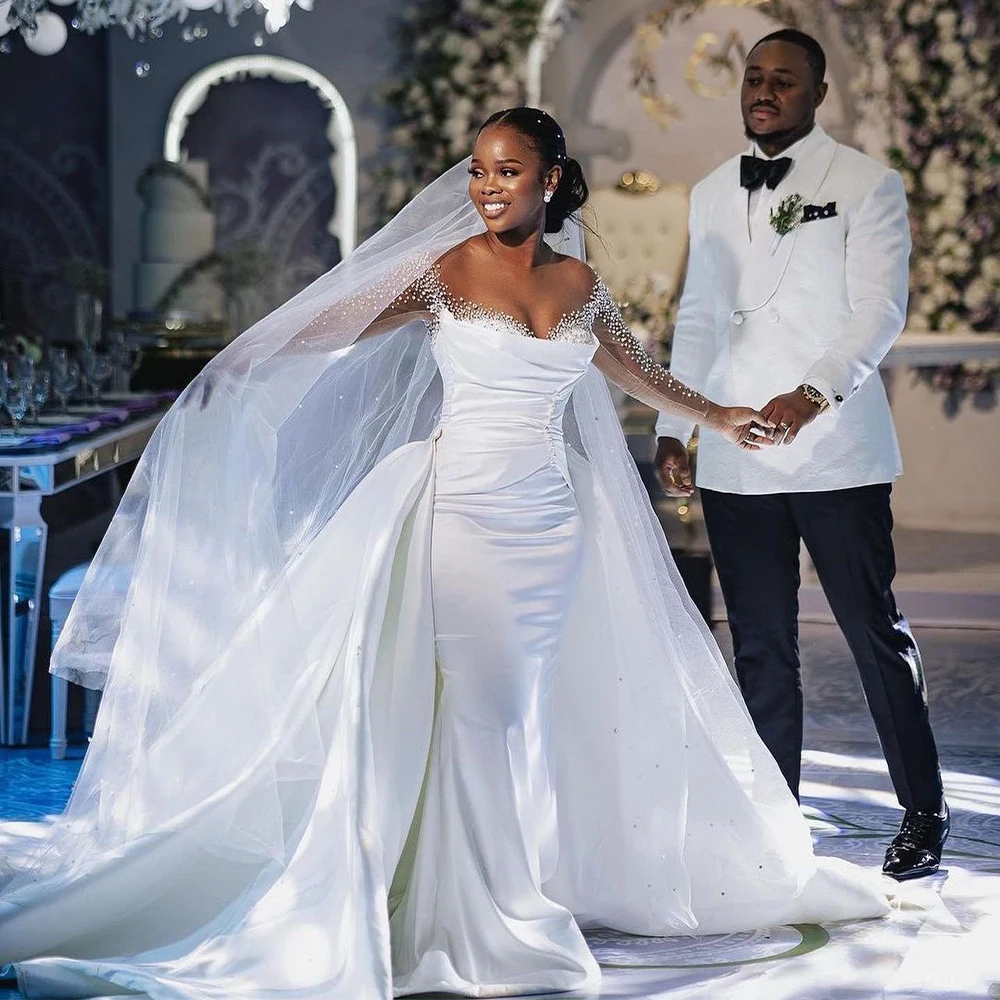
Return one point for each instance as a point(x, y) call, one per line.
point(942, 940)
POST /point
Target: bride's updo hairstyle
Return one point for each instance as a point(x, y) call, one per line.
point(546, 138)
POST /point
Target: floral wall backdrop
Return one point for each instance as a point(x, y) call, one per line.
point(929, 69)
point(932, 71)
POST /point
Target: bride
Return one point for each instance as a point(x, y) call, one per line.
point(401, 688)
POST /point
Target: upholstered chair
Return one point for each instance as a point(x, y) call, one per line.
point(640, 228)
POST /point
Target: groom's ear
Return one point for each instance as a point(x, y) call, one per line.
point(820, 94)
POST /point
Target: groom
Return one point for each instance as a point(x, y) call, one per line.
point(796, 288)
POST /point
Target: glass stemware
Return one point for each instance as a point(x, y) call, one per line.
point(85, 357)
point(17, 379)
point(40, 391)
point(101, 369)
point(125, 360)
point(89, 319)
point(65, 377)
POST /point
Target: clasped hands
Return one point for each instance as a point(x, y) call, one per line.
point(777, 422)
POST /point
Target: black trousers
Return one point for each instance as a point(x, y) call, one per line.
point(848, 534)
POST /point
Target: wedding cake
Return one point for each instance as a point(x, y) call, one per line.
point(176, 231)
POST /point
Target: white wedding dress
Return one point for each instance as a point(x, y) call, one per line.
point(510, 750)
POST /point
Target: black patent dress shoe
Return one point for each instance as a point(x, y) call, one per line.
point(916, 850)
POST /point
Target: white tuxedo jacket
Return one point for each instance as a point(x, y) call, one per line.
point(821, 305)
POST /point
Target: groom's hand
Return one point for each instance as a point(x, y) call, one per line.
point(789, 412)
point(673, 467)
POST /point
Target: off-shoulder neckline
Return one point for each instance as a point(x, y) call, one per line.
point(451, 302)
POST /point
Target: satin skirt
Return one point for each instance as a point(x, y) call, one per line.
point(506, 549)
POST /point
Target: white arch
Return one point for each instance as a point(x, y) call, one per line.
point(343, 162)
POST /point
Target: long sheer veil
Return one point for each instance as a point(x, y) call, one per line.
point(250, 463)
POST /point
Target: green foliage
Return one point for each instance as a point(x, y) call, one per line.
point(931, 70)
point(460, 60)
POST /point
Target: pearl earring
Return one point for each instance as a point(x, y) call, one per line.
point(547, 197)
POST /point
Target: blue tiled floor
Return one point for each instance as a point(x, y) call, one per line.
point(33, 785)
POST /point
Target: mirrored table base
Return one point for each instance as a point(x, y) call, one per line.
point(25, 480)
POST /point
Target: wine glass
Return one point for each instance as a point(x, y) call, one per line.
point(40, 390)
point(125, 360)
point(101, 370)
point(89, 319)
point(17, 391)
point(65, 377)
point(23, 368)
point(85, 357)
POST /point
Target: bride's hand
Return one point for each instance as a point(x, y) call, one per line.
point(743, 426)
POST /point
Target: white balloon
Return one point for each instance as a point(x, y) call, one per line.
point(199, 4)
point(4, 9)
point(50, 35)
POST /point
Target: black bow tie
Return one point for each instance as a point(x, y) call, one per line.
point(755, 171)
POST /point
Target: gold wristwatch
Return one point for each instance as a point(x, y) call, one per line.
point(814, 396)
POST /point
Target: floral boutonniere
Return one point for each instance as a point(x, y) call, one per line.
point(786, 216)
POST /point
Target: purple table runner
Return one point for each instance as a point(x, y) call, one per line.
point(118, 412)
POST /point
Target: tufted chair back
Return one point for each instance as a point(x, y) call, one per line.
point(642, 230)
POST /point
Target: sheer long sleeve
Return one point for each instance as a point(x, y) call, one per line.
point(419, 300)
point(416, 301)
point(623, 359)
point(328, 331)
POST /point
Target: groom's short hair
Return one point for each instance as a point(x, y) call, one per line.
point(815, 55)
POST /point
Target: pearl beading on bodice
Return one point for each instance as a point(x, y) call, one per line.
point(574, 327)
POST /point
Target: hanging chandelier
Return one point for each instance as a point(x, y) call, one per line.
point(45, 32)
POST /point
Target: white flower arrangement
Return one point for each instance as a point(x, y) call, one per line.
point(932, 70)
point(941, 82)
point(141, 19)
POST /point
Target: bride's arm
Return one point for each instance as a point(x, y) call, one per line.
point(414, 302)
point(324, 334)
point(623, 359)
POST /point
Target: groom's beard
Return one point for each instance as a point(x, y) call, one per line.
point(782, 138)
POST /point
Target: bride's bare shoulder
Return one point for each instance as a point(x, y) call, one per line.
point(575, 274)
point(460, 258)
